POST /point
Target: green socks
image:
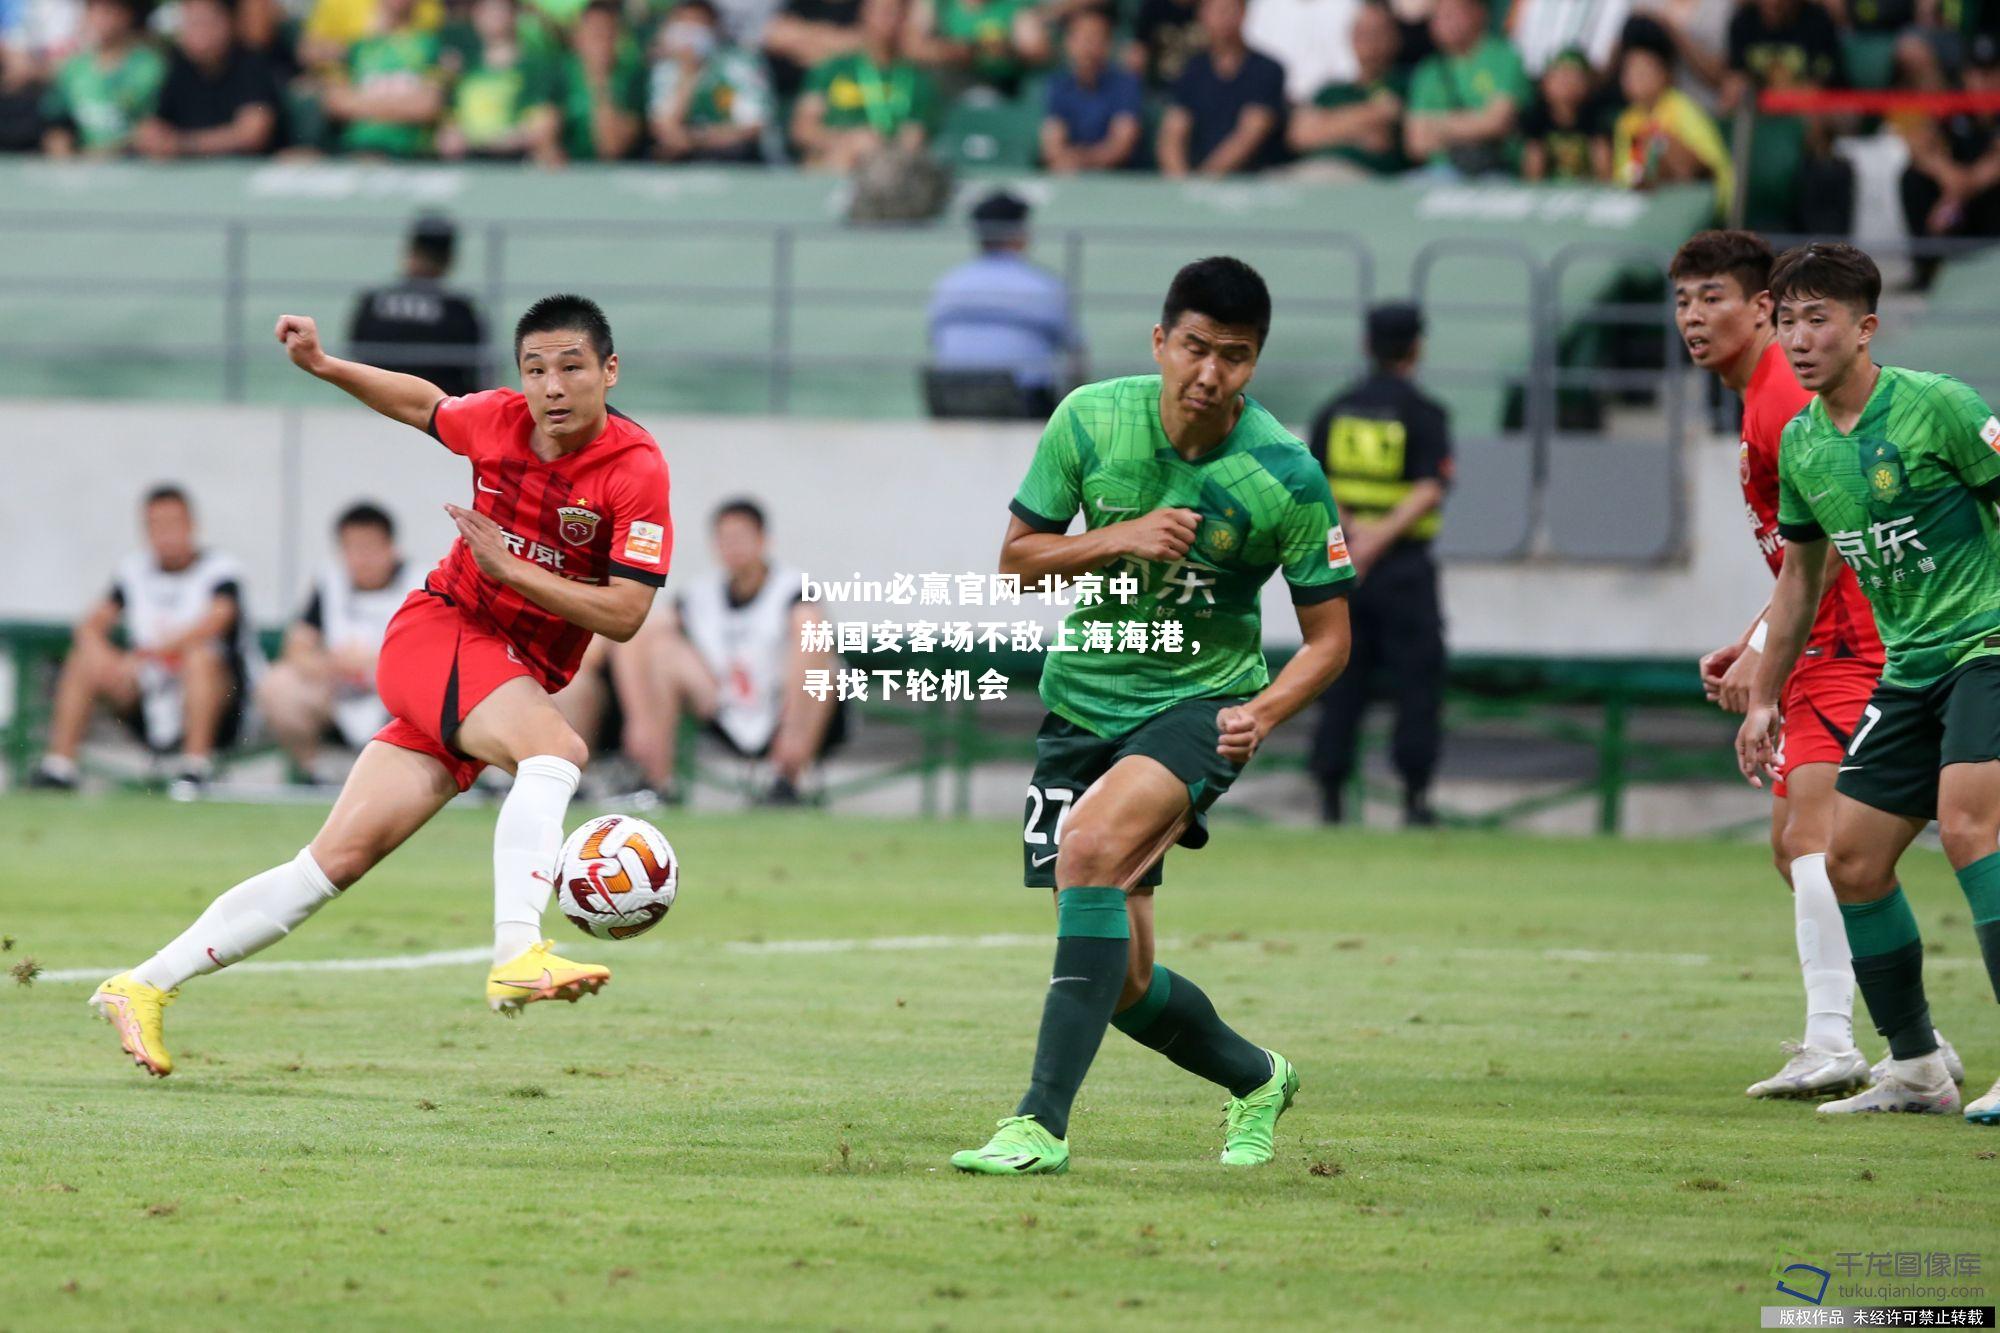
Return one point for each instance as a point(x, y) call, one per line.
point(1092, 939)
point(1176, 1019)
point(1889, 968)
point(1981, 882)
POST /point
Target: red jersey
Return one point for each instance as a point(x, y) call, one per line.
point(1845, 626)
point(591, 515)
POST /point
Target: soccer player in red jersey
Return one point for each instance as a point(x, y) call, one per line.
point(568, 536)
point(1722, 307)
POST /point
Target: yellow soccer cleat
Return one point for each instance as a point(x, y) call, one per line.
point(134, 1008)
point(539, 975)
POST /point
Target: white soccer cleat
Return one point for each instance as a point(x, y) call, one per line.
point(1952, 1064)
point(1985, 1111)
point(1891, 1093)
point(1813, 1071)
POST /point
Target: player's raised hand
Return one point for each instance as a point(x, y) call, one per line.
point(1164, 534)
point(484, 538)
point(1757, 743)
point(299, 335)
point(1240, 732)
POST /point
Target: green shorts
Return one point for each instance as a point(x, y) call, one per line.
point(1906, 735)
point(1068, 759)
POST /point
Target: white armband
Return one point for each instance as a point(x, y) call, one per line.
point(1759, 635)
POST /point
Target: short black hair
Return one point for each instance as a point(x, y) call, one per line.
point(566, 312)
point(1733, 253)
point(1391, 331)
point(705, 6)
point(1226, 290)
point(435, 237)
point(366, 514)
point(167, 493)
point(742, 507)
point(1827, 271)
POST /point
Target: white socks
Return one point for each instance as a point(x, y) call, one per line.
point(254, 915)
point(526, 839)
point(1824, 957)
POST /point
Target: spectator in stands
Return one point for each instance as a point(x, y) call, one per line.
point(603, 88)
point(189, 651)
point(858, 103)
point(390, 94)
point(40, 34)
point(1355, 129)
point(1312, 39)
point(503, 100)
point(1781, 44)
point(1663, 137)
point(1466, 98)
point(1165, 37)
point(218, 100)
point(1386, 448)
point(20, 102)
point(416, 324)
point(1228, 105)
point(709, 98)
point(323, 684)
point(989, 42)
point(1001, 312)
point(334, 27)
point(1096, 109)
point(1562, 134)
point(1952, 185)
point(806, 34)
point(100, 94)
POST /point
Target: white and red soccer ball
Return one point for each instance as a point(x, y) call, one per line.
point(616, 877)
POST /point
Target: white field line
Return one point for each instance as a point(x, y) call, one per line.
point(911, 943)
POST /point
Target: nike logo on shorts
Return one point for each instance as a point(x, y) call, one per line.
point(1039, 861)
point(1850, 768)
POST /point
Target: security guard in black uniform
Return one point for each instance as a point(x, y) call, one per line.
point(1386, 447)
point(417, 325)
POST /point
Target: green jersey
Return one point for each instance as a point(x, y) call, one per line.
point(106, 102)
point(1470, 82)
point(1899, 498)
point(404, 58)
point(1264, 505)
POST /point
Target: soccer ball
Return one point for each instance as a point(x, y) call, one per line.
point(616, 877)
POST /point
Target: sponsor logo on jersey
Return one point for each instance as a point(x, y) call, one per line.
point(1990, 432)
point(579, 525)
point(643, 542)
point(1336, 549)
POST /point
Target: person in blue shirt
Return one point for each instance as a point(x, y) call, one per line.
point(1094, 105)
point(1228, 112)
point(1001, 312)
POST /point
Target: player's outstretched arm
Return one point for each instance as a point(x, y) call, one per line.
point(399, 397)
point(1793, 604)
point(616, 609)
point(1318, 663)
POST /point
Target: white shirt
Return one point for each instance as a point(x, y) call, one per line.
point(1312, 39)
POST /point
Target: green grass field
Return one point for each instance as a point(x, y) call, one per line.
point(1523, 1065)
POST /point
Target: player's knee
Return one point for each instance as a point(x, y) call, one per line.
point(1967, 836)
point(1089, 854)
point(345, 861)
point(1858, 875)
point(565, 743)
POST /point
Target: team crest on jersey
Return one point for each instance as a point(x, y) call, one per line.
point(1885, 473)
point(1743, 462)
point(1219, 538)
point(579, 525)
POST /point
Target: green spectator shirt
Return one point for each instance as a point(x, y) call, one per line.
point(1337, 95)
point(987, 26)
point(106, 104)
point(1898, 497)
point(628, 93)
point(1264, 506)
point(856, 94)
point(729, 90)
point(1469, 82)
point(489, 102)
point(387, 59)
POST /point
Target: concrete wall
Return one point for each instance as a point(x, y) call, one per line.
point(874, 498)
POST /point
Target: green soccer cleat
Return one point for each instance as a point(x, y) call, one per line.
point(1251, 1119)
point(1020, 1147)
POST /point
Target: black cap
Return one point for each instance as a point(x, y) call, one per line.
point(1000, 216)
point(434, 229)
point(1393, 327)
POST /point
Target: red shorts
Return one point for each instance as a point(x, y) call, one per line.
point(1822, 704)
point(435, 667)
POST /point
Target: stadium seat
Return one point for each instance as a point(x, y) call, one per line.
point(1611, 500)
point(1487, 515)
point(987, 134)
point(1870, 58)
point(1777, 147)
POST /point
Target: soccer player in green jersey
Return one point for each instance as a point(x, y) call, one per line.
point(1192, 495)
point(1899, 470)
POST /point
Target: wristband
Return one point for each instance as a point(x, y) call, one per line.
point(1759, 635)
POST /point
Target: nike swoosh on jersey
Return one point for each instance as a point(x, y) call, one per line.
point(1104, 508)
point(1815, 499)
point(481, 485)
